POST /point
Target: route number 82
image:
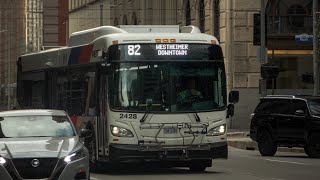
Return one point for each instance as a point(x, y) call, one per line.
point(133, 50)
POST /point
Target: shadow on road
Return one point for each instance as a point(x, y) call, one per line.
point(298, 156)
point(129, 170)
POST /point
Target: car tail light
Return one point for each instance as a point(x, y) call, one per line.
point(251, 115)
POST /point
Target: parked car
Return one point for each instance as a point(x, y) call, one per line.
point(287, 121)
point(41, 144)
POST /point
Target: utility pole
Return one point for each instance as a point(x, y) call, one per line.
point(101, 12)
point(315, 49)
point(263, 46)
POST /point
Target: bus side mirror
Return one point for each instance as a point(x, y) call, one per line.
point(85, 133)
point(234, 97)
point(230, 110)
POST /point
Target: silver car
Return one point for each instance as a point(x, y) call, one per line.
point(41, 144)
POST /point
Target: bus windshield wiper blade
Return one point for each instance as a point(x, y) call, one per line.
point(195, 112)
point(144, 117)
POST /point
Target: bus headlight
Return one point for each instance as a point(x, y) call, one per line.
point(2, 161)
point(217, 131)
point(75, 156)
point(120, 132)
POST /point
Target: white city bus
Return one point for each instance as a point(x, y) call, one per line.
point(129, 86)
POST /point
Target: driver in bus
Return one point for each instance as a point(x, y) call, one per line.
point(190, 93)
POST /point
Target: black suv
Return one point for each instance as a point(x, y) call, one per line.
point(287, 121)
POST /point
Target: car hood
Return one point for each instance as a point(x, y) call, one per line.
point(51, 147)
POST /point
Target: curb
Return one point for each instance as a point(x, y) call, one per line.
point(247, 144)
point(238, 134)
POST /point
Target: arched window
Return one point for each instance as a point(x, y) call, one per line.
point(296, 14)
point(202, 17)
point(188, 13)
point(134, 19)
point(125, 20)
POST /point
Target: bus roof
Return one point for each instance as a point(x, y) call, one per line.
point(88, 46)
point(151, 38)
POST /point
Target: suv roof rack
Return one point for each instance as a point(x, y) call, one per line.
point(284, 96)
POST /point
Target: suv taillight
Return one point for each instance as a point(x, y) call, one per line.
point(251, 115)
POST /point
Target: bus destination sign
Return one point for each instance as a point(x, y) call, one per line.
point(158, 49)
point(172, 49)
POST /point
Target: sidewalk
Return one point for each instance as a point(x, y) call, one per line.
point(242, 140)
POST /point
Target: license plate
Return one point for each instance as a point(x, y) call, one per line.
point(170, 130)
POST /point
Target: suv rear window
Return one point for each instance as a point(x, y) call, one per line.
point(281, 106)
point(314, 106)
point(264, 106)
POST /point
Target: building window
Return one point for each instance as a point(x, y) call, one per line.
point(296, 14)
point(188, 14)
point(202, 17)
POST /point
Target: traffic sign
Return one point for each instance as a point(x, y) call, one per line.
point(303, 38)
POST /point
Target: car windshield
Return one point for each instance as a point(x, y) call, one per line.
point(314, 106)
point(35, 126)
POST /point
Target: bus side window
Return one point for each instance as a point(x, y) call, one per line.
point(90, 107)
point(33, 93)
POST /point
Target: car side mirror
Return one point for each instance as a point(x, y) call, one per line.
point(230, 110)
point(234, 97)
point(84, 133)
point(300, 113)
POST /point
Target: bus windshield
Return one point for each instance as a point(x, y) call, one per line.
point(177, 86)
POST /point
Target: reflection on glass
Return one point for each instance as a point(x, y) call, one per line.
point(314, 106)
point(168, 87)
point(35, 126)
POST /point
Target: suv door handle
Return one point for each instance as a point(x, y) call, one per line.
point(287, 119)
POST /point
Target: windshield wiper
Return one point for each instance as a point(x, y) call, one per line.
point(144, 117)
point(195, 111)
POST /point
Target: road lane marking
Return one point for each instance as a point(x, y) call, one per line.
point(92, 178)
point(289, 162)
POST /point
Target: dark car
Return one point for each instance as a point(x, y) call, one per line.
point(287, 121)
point(41, 144)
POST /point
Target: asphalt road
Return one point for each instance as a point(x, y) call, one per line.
point(241, 165)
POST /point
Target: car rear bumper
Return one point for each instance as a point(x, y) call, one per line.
point(126, 152)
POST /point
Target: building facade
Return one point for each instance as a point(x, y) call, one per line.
point(232, 22)
point(27, 26)
point(85, 14)
point(12, 43)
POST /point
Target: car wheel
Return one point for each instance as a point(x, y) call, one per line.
point(313, 146)
point(306, 150)
point(266, 145)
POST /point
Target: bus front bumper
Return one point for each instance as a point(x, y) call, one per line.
point(128, 152)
